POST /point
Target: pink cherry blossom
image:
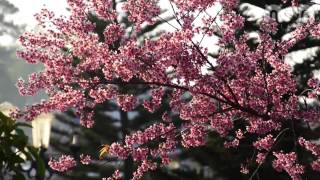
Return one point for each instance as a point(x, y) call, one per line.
point(143, 168)
point(316, 165)
point(127, 102)
point(261, 157)
point(85, 159)
point(116, 175)
point(64, 163)
point(287, 162)
point(264, 143)
point(314, 148)
point(244, 169)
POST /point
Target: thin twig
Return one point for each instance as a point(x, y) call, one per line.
point(256, 170)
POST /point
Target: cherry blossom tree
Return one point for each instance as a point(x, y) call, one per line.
point(250, 85)
point(107, 115)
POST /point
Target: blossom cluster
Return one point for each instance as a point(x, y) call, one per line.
point(116, 175)
point(287, 162)
point(66, 162)
point(264, 143)
point(314, 149)
point(251, 85)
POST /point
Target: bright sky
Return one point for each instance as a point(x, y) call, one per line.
point(25, 15)
point(27, 8)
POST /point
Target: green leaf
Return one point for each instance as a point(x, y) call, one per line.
point(13, 138)
point(7, 123)
point(17, 159)
point(19, 124)
point(41, 168)
point(33, 151)
point(19, 141)
point(20, 132)
point(18, 176)
point(4, 117)
point(28, 155)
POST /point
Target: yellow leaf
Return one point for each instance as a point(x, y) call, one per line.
point(104, 151)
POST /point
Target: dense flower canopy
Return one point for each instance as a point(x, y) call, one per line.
point(252, 85)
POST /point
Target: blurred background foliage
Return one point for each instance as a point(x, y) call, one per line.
point(15, 151)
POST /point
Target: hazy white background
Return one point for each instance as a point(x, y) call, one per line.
point(11, 68)
point(27, 8)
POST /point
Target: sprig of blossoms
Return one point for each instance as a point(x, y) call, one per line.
point(287, 162)
point(85, 159)
point(64, 163)
point(314, 149)
point(116, 175)
point(264, 143)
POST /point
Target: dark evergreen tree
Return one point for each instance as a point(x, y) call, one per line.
point(287, 22)
point(8, 27)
